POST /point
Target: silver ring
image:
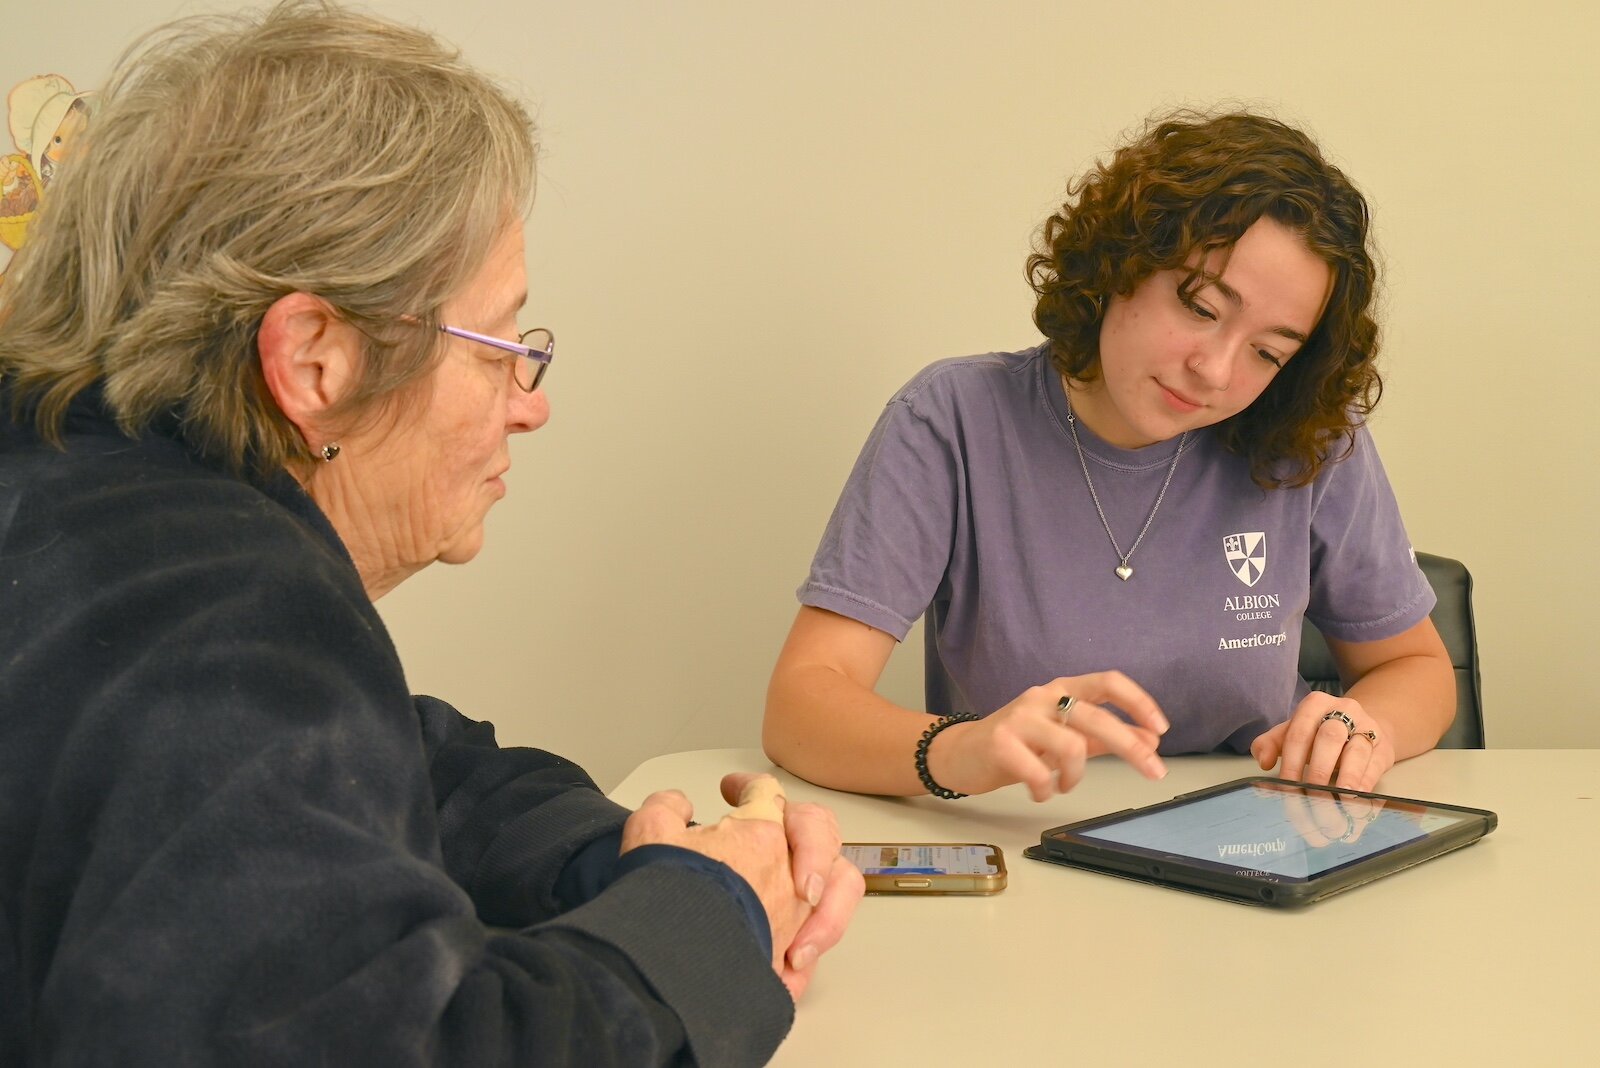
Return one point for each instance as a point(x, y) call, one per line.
point(1349, 724)
point(1371, 736)
point(1064, 708)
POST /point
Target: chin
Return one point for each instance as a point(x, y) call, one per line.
point(1164, 425)
point(465, 547)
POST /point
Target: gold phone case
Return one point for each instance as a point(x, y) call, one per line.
point(910, 883)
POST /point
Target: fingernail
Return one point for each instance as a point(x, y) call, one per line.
point(813, 889)
point(802, 958)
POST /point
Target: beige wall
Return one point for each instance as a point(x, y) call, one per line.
point(756, 219)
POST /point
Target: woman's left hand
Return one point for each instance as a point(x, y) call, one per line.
point(1313, 745)
point(827, 882)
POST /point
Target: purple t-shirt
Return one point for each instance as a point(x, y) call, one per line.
point(968, 504)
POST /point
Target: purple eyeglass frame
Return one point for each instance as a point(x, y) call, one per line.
point(540, 357)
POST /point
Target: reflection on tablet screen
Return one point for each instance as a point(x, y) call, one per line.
point(1277, 828)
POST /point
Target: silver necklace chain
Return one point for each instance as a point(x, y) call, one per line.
point(1123, 571)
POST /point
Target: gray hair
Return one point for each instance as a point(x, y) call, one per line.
point(235, 160)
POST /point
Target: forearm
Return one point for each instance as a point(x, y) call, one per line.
point(690, 946)
point(510, 820)
point(1415, 696)
point(658, 968)
point(830, 730)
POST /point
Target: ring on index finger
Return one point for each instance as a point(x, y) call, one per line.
point(1064, 709)
point(1349, 724)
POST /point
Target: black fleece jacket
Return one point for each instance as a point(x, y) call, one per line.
point(229, 836)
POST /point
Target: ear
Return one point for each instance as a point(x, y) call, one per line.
point(309, 357)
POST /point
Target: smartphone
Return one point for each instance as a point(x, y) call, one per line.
point(929, 867)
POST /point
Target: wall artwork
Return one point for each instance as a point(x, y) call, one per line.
point(45, 114)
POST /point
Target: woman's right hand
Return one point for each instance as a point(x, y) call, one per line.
point(1027, 742)
point(789, 857)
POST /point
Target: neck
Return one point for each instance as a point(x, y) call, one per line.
point(378, 560)
point(1089, 405)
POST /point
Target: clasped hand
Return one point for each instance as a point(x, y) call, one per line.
point(808, 890)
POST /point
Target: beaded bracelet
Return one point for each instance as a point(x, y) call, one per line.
point(922, 753)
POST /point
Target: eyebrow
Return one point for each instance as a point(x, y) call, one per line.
point(1233, 294)
point(515, 307)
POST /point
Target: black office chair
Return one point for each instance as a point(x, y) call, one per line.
point(1452, 583)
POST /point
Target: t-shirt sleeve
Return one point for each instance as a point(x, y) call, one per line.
point(887, 546)
point(1365, 582)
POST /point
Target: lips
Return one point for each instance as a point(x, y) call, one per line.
point(1178, 401)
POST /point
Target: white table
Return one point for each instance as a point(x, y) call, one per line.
point(1489, 955)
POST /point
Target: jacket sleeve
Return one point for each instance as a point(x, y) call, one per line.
point(510, 820)
point(251, 854)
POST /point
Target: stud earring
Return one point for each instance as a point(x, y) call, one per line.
point(330, 452)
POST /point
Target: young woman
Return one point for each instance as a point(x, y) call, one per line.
point(1134, 516)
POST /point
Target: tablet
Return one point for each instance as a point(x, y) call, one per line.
point(1265, 841)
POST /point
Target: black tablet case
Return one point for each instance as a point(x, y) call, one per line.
point(1246, 885)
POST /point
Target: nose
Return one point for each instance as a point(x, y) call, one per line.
point(1211, 363)
point(527, 412)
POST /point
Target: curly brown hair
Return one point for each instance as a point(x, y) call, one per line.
point(1194, 183)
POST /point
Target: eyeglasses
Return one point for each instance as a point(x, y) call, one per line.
point(534, 348)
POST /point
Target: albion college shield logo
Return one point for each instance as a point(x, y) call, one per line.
point(1247, 555)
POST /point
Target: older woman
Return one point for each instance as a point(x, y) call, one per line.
point(260, 363)
point(1134, 515)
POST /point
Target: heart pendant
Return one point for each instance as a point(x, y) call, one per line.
point(1124, 572)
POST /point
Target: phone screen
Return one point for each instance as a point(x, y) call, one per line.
point(911, 859)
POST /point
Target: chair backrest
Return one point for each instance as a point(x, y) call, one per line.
point(1452, 583)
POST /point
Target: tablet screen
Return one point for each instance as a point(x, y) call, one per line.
point(1280, 829)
